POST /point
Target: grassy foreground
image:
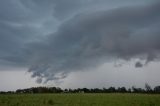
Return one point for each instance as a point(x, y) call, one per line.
point(79, 100)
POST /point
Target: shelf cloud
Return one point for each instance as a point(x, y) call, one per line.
point(52, 42)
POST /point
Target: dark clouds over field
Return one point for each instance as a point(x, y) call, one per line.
point(52, 38)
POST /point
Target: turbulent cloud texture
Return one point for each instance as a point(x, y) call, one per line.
point(67, 36)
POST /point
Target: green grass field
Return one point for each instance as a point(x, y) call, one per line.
point(79, 100)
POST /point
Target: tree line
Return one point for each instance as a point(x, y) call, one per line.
point(133, 89)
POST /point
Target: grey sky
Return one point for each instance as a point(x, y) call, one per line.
point(53, 39)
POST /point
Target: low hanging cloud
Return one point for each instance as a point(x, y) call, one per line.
point(138, 64)
point(89, 39)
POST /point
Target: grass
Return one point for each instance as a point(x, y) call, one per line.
point(79, 100)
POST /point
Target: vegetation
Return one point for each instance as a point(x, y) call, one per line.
point(147, 89)
point(54, 96)
point(80, 99)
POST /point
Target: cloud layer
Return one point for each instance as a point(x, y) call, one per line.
point(56, 41)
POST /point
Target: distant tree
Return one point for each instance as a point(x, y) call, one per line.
point(2, 92)
point(70, 90)
point(86, 90)
point(122, 90)
point(19, 91)
point(137, 90)
point(66, 91)
point(104, 90)
point(111, 89)
point(157, 89)
point(59, 90)
point(129, 90)
point(148, 88)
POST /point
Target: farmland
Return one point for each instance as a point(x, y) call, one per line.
point(80, 99)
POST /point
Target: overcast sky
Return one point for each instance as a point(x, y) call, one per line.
point(79, 43)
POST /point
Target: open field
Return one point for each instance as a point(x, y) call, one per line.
point(79, 100)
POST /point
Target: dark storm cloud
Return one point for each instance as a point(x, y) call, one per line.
point(138, 64)
point(20, 23)
point(90, 39)
point(85, 40)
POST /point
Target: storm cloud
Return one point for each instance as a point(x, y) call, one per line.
point(80, 40)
